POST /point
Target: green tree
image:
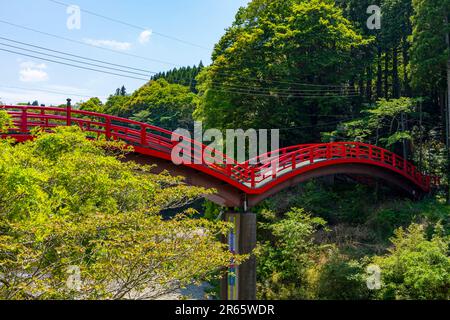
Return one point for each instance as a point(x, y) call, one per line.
point(429, 51)
point(283, 262)
point(274, 47)
point(382, 124)
point(69, 206)
point(163, 104)
point(117, 105)
point(185, 76)
point(416, 267)
point(123, 91)
point(5, 121)
point(93, 105)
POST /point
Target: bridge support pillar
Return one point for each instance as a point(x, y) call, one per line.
point(240, 281)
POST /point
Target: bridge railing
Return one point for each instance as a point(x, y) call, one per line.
point(254, 173)
point(133, 132)
point(307, 155)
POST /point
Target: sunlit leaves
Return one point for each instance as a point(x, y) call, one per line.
point(68, 201)
point(416, 267)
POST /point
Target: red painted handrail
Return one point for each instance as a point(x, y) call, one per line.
point(253, 177)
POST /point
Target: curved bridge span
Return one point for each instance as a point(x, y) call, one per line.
point(237, 184)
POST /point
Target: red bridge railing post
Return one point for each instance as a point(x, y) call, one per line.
point(43, 122)
point(252, 177)
point(143, 136)
point(24, 121)
point(69, 113)
point(108, 127)
point(228, 169)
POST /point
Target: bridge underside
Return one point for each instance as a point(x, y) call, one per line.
point(229, 196)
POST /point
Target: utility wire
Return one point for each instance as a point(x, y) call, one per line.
point(231, 90)
point(223, 89)
point(259, 90)
point(49, 91)
point(277, 89)
point(314, 126)
point(170, 63)
point(275, 95)
point(76, 56)
point(160, 34)
point(73, 60)
point(72, 65)
point(133, 26)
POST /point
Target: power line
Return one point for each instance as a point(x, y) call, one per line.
point(231, 89)
point(336, 87)
point(284, 90)
point(176, 39)
point(49, 91)
point(76, 56)
point(132, 25)
point(72, 65)
point(73, 60)
point(226, 86)
point(314, 126)
point(277, 95)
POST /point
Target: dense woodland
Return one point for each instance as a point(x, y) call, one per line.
point(314, 70)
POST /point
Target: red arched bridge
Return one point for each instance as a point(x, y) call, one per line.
point(237, 184)
point(240, 185)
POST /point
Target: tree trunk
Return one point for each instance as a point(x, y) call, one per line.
point(386, 74)
point(406, 85)
point(361, 84)
point(448, 116)
point(395, 78)
point(369, 83)
point(379, 74)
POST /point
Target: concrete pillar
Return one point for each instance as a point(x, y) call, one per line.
point(240, 282)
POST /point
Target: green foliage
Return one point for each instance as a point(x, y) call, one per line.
point(429, 51)
point(345, 203)
point(185, 76)
point(5, 121)
point(283, 261)
point(381, 123)
point(66, 201)
point(341, 278)
point(394, 214)
point(93, 105)
point(269, 42)
point(416, 267)
point(117, 105)
point(160, 103)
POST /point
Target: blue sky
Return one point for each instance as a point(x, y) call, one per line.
point(200, 22)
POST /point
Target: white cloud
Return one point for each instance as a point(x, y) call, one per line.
point(112, 44)
point(144, 37)
point(32, 72)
